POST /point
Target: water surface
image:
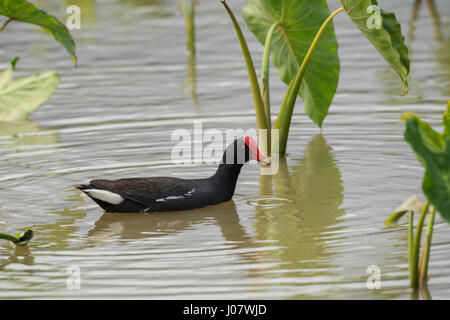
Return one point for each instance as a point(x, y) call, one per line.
point(310, 231)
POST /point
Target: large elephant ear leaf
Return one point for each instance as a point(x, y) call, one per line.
point(297, 24)
point(436, 182)
point(383, 31)
point(25, 11)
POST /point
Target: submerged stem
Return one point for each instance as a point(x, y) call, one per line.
point(283, 121)
point(424, 259)
point(414, 261)
point(410, 244)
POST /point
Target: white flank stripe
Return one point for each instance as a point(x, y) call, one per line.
point(105, 195)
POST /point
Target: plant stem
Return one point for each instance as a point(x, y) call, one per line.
point(414, 261)
point(261, 120)
point(410, 243)
point(265, 73)
point(9, 237)
point(5, 24)
point(424, 259)
point(283, 121)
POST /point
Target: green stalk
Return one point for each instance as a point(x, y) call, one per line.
point(258, 104)
point(410, 243)
point(414, 262)
point(5, 24)
point(283, 121)
point(18, 240)
point(9, 237)
point(423, 269)
point(265, 74)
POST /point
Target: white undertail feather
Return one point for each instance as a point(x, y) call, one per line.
point(105, 195)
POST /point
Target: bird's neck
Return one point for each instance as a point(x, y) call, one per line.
point(228, 172)
point(225, 179)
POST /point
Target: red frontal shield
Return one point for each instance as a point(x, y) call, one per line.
point(253, 146)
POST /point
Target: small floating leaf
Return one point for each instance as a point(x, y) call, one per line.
point(412, 204)
point(6, 76)
point(25, 11)
point(25, 237)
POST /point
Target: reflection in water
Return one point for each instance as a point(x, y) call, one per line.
point(158, 8)
point(192, 80)
point(143, 3)
point(21, 255)
point(131, 226)
point(88, 12)
point(412, 22)
point(308, 194)
point(128, 226)
point(16, 134)
point(421, 293)
point(435, 18)
point(60, 234)
point(19, 137)
point(441, 62)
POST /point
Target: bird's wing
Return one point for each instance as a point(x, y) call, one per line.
point(145, 190)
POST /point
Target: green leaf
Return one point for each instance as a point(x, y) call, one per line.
point(446, 121)
point(436, 182)
point(20, 97)
point(431, 138)
point(25, 237)
point(6, 76)
point(25, 11)
point(386, 36)
point(297, 24)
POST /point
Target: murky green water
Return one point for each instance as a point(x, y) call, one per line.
point(310, 231)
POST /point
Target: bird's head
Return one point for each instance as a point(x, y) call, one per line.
point(243, 150)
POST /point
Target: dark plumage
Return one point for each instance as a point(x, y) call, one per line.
point(171, 194)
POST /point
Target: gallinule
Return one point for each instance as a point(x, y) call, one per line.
point(171, 194)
